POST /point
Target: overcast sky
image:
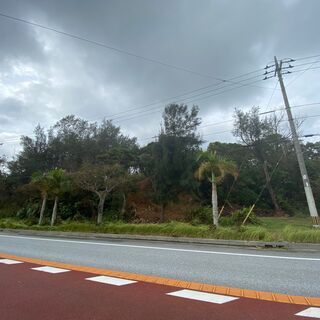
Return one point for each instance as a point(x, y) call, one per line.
point(45, 76)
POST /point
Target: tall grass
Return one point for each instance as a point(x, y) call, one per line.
point(270, 231)
point(294, 234)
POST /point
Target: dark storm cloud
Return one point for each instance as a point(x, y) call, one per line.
point(218, 38)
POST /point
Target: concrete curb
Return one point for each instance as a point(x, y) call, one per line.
point(218, 242)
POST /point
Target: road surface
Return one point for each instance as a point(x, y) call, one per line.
point(266, 270)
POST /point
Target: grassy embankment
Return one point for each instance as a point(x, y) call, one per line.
point(292, 229)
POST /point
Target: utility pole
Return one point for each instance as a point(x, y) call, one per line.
point(297, 147)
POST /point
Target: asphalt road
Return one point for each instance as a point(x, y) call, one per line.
point(267, 270)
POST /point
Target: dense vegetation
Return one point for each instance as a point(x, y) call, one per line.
point(92, 172)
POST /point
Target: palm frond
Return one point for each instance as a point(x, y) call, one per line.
point(212, 164)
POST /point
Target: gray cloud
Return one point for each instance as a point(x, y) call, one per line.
point(51, 75)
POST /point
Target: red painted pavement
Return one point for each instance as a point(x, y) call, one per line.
point(27, 294)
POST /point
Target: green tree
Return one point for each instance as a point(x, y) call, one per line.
point(33, 157)
point(245, 190)
point(59, 183)
point(71, 142)
point(41, 181)
point(101, 180)
point(214, 168)
point(169, 163)
point(74, 142)
point(263, 137)
point(180, 122)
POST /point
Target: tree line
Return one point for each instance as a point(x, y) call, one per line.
point(87, 170)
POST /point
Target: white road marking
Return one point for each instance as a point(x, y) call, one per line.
point(202, 296)
point(164, 248)
point(50, 269)
point(9, 261)
point(310, 313)
point(111, 280)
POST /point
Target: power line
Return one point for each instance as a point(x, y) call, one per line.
point(306, 58)
point(272, 94)
point(307, 63)
point(216, 84)
point(109, 47)
point(103, 45)
point(126, 53)
point(237, 87)
point(213, 133)
point(303, 72)
point(271, 73)
point(186, 93)
point(230, 131)
point(216, 123)
point(224, 121)
point(295, 106)
point(263, 188)
point(225, 131)
point(186, 100)
point(122, 51)
point(232, 186)
point(295, 71)
point(261, 113)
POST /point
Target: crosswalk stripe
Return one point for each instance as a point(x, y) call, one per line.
point(111, 280)
point(50, 269)
point(202, 296)
point(310, 313)
point(9, 261)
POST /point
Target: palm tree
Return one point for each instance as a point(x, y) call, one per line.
point(40, 180)
point(214, 168)
point(59, 183)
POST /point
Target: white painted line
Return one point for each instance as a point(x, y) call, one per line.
point(9, 261)
point(165, 248)
point(202, 296)
point(310, 313)
point(111, 280)
point(50, 269)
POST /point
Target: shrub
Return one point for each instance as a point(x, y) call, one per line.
point(78, 218)
point(226, 222)
point(30, 211)
point(238, 217)
point(111, 215)
point(66, 211)
point(8, 211)
point(200, 215)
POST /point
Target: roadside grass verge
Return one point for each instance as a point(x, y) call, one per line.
point(271, 229)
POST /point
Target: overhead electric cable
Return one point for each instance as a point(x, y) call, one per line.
point(303, 72)
point(306, 58)
point(109, 47)
point(230, 120)
point(313, 68)
point(272, 94)
point(186, 100)
point(186, 93)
